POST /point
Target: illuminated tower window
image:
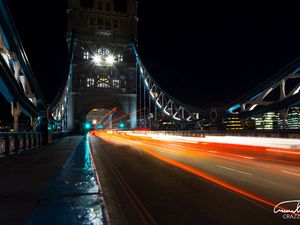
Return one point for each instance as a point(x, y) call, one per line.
point(103, 52)
point(120, 57)
point(90, 82)
point(116, 83)
point(86, 55)
point(103, 82)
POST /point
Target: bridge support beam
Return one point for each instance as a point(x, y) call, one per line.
point(15, 112)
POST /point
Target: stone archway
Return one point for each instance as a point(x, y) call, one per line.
point(100, 118)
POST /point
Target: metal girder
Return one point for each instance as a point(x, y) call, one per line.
point(279, 92)
point(14, 42)
point(59, 99)
point(168, 105)
point(13, 92)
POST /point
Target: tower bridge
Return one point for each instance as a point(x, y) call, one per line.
point(167, 163)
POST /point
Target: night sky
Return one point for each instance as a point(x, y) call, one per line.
point(203, 55)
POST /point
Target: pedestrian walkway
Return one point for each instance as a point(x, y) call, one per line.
point(52, 184)
point(73, 197)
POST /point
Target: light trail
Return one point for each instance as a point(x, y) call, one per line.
point(124, 116)
point(174, 152)
point(107, 114)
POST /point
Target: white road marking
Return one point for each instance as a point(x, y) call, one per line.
point(295, 174)
point(227, 168)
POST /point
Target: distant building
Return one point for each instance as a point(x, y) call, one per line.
point(293, 119)
point(268, 121)
point(233, 123)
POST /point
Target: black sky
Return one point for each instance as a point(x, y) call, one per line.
point(203, 55)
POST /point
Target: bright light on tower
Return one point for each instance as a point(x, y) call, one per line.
point(97, 59)
point(110, 59)
point(94, 122)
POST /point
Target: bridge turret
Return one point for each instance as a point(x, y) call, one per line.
point(103, 68)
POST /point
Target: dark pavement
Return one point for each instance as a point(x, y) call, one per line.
point(25, 176)
point(140, 189)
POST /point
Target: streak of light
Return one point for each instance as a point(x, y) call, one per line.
point(282, 151)
point(208, 177)
point(231, 169)
point(213, 151)
point(124, 116)
point(147, 148)
point(106, 115)
point(288, 172)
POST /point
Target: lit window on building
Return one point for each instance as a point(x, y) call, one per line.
point(107, 7)
point(120, 58)
point(92, 21)
point(90, 82)
point(103, 82)
point(107, 25)
point(86, 55)
point(100, 5)
point(100, 24)
point(103, 52)
point(293, 119)
point(233, 123)
point(116, 83)
point(268, 121)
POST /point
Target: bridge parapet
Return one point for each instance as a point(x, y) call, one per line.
point(17, 142)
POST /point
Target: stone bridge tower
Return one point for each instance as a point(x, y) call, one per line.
point(104, 68)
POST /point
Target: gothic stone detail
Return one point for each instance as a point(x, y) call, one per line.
point(104, 68)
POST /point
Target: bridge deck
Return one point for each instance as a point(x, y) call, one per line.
point(25, 176)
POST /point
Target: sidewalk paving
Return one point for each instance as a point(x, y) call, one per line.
point(24, 177)
point(73, 197)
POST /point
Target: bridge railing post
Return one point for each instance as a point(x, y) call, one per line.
point(2, 145)
point(32, 140)
point(50, 137)
point(21, 142)
point(16, 140)
point(11, 141)
point(27, 138)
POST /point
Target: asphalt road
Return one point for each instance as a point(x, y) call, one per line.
point(148, 181)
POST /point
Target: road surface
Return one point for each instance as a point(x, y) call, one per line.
point(152, 181)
